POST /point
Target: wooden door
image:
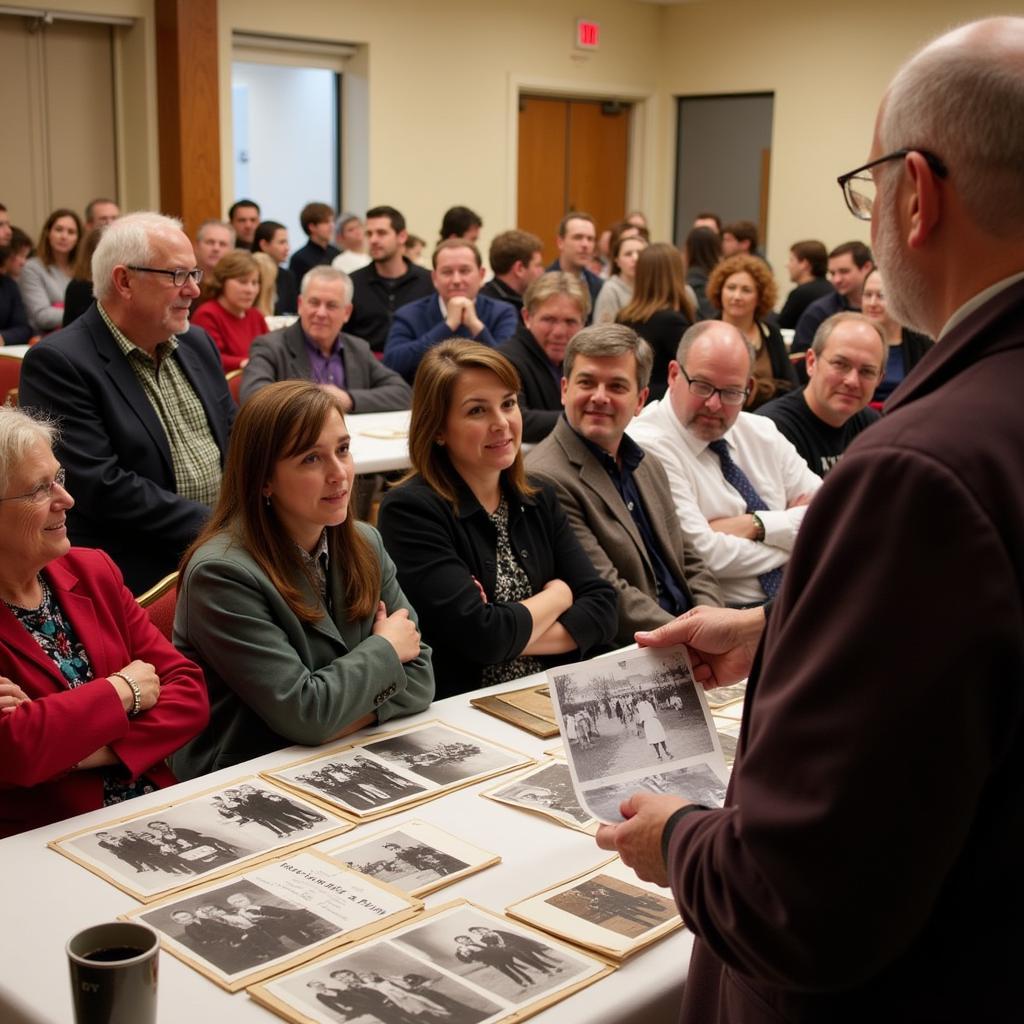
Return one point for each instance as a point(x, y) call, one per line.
point(573, 155)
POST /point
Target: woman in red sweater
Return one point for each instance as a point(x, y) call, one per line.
point(228, 315)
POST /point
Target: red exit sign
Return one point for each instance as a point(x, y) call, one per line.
point(588, 34)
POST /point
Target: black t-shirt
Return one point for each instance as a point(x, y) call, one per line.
point(819, 444)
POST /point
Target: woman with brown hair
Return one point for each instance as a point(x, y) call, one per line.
point(45, 277)
point(229, 314)
point(743, 288)
point(503, 585)
point(661, 309)
point(291, 607)
point(624, 250)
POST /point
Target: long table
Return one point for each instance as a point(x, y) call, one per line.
point(380, 440)
point(47, 898)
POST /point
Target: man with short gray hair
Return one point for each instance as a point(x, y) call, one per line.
point(143, 405)
point(615, 495)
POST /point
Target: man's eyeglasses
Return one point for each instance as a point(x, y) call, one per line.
point(41, 493)
point(859, 187)
point(702, 389)
point(179, 277)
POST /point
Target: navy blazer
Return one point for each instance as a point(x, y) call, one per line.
point(420, 325)
point(114, 448)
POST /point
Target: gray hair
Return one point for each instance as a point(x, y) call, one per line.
point(604, 340)
point(127, 240)
point(18, 433)
point(826, 327)
point(965, 104)
point(698, 330)
point(557, 282)
point(216, 224)
point(328, 275)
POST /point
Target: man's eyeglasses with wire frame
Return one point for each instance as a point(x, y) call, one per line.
point(859, 186)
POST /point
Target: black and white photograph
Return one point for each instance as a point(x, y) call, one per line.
point(265, 920)
point(607, 909)
point(177, 845)
point(547, 790)
point(417, 857)
point(699, 783)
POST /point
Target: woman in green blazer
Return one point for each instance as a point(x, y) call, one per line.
point(291, 607)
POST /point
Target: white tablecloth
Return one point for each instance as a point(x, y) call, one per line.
point(47, 898)
point(380, 441)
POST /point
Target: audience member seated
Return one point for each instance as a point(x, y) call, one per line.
point(413, 248)
point(848, 267)
point(517, 260)
point(555, 311)
point(14, 325)
point(625, 247)
point(807, 266)
point(711, 221)
point(244, 218)
point(739, 487)
point(142, 449)
point(92, 696)
point(79, 297)
point(267, 271)
point(460, 222)
point(99, 213)
point(213, 240)
point(44, 278)
point(271, 239)
point(740, 237)
point(389, 282)
point(316, 349)
point(575, 248)
point(617, 496)
point(743, 288)
point(503, 586)
point(290, 606)
point(350, 239)
point(661, 309)
point(457, 310)
point(6, 229)
point(317, 220)
point(906, 347)
point(229, 315)
point(639, 220)
point(703, 253)
point(844, 365)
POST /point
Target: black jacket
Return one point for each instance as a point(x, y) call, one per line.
point(541, 396)
point(375, 299)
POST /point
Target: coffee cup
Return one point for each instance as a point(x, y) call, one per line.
point(113, 973)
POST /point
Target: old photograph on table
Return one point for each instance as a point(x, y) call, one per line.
point(416, 857)
point(546, 790)
point(528, 708)
point(378, 775)
point(247, 927)
point(460, 964)
point(723, 696)
point(209, 834)
point(626, 718)
point(607, 909)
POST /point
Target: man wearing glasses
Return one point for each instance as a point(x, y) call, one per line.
point(739, 487)
point(143, 407)
point(867, 864)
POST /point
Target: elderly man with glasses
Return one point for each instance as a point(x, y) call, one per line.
point(739, 487)
point(143, 406)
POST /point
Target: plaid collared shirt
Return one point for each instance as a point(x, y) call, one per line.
point(194, 452)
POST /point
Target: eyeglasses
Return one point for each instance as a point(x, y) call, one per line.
point(702, 389)
point(179, 277)
point(859, 187)
point(41, 493)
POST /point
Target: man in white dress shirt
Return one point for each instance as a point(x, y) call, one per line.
point(739, 487)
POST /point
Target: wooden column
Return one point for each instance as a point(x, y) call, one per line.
point(188, 88)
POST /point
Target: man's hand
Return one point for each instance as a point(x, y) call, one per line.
point(638, 839)
point(739, 526)
point(457, 311)
point(799, 500)
point(341, 395)
point(721, 641)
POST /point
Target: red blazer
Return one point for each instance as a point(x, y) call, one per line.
point(41, 739)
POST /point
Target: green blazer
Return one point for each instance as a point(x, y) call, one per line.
point(275, 680)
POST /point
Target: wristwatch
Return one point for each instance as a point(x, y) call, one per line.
point(758, 527)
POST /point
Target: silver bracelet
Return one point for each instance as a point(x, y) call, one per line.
point(136, 692)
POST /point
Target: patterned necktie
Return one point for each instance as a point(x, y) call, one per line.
point(734, 476)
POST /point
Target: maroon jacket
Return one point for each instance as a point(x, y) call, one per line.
point(41, 740)
point(869, 864)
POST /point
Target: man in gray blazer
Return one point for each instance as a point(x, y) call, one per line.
point(316, 349)
point(617, 496)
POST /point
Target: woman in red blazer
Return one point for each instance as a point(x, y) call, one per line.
point(92, 696)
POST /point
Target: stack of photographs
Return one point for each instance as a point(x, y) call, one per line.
point(635, 722)
point(606, 909)
point(213, 833)
point(415, 857)
point(546, 790)
point(458, 963)
point(251, 926)
point(379, 776)
point(528, 708)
